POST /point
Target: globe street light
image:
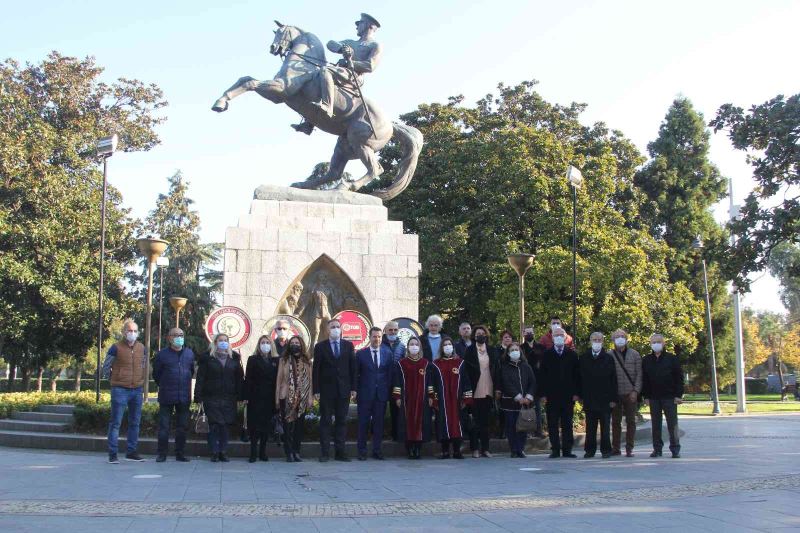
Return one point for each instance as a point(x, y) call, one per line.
point(151, 248)
point(105, 149)
point(162, 262)
point(575, 179)
point(698, 245)
point(521, 263)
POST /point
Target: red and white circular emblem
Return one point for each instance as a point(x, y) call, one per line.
point(231, 321)
point(355, 327)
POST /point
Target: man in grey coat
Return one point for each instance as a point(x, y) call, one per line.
point(628, 363)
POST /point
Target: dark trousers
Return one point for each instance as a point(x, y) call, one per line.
point(456, 445)
point(165, 411)
point(258, 443)
point(627, 407)
point(330, 407)
point(593, 418)
point(395, 417)
point(292, 432)
point(559, 416)
point(537, 409)
point(668, 407)
point(373, 412)
point(516, 439)
point(479, 436)
point(217, 437)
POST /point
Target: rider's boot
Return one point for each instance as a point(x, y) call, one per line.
point(304, 127)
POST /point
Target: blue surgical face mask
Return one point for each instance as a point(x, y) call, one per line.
point(178, 341)
point(391, 338)
point(223, 345)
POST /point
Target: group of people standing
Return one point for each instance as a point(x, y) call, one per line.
point(435, 387)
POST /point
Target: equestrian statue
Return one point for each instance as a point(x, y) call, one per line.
point(328, 96)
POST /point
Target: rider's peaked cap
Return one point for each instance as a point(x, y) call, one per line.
point(370, 19)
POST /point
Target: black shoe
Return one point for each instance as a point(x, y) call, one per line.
point(378, 456)
point(263, 457)
point(342, 457)
point(362, 457)
point(458, 455)
point(588, 455)
point(521, 455)
point(676, 455)
point(444, 456)
point(606, 455)
point(252, 459)
point(554, 455)
point(628, 453)
point(569, 455)
point(655, 453)
point(224, 458)
point(182, 459)
point(289, 458)
point(411, 454)
point(112, 459)
point(214, 457)
point(296, 457)
point(161, 458)
point(324, 458)
point(133, 456)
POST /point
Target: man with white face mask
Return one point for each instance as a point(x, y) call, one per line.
point(662, 388)
point(282, 335)
point(628, 363)
point(546, 340)
point(334, 383)
point(560, 389)
point(598, 394)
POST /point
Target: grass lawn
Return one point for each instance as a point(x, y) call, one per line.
point(704, 408)
point(705, 397)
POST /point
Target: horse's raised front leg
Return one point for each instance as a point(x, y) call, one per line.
point(270, 89)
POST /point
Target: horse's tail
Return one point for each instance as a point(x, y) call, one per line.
point(410, 139)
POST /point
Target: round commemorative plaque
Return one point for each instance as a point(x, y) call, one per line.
point(355, 327)
point(296, 327)
point(407, 328)
point(231, 321)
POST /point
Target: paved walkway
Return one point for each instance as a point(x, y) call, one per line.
point(737, 474)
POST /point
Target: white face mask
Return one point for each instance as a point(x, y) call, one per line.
point(266, 347)
point(657, 347)
point(131, 336)
point(597, 346)
point(554, 327)
point(448, 350)
point(334, 333)
point(413, 349)
point(283, 333)
point(514, 355)
point(620, 342)
point(558, 340)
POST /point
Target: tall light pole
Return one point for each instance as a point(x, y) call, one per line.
point(738, 343)
point(151, 248)
point(177, 303)
point(105, 149)
point(521, 263)
point(162, 263)
point(575, 179)
point(698, 245)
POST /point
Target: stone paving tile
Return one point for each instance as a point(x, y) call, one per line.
point(148, 524)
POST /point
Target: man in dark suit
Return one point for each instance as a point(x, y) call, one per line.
point(561, 385)
point(334, 382)
point(374, 365)
point(598, 394)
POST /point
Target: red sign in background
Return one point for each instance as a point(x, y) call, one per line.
point(231, 321)
point(355, 327)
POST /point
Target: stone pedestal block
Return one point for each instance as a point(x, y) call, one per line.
point(314, 258)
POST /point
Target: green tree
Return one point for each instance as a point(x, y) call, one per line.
point(51, 115)
point(190, 273)
point(770, 134)
point(491, 181)
point(681, 185)
point(784, 264)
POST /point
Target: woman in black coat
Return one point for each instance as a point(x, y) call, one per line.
point(218, 387)
point(481, 360)
point(515, 387)
point(259, 393)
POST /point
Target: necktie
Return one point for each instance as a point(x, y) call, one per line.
point(375, 357)
point(336, 349)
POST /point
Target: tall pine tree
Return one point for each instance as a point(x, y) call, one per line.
point(190, 272)
point(681, 185)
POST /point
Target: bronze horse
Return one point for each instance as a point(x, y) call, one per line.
point(360, 136)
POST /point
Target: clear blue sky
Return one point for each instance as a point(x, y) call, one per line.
point(626, 59)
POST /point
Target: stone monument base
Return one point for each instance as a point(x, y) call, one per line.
point(292, 255)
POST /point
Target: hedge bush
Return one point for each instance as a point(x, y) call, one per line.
point(65, 385)
point(30, 401)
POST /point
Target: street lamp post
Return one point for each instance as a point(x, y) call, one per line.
point(738, 344)
point(177, 303)
point(151, 248)
point(698, 245)
point(162, 262)
point(105, 149)
point(575, 179)
point(521, 263)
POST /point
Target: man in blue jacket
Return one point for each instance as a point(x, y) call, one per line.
point(172, 371)
point(374, 365)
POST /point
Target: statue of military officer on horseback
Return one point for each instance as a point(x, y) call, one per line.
point(328, 96)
